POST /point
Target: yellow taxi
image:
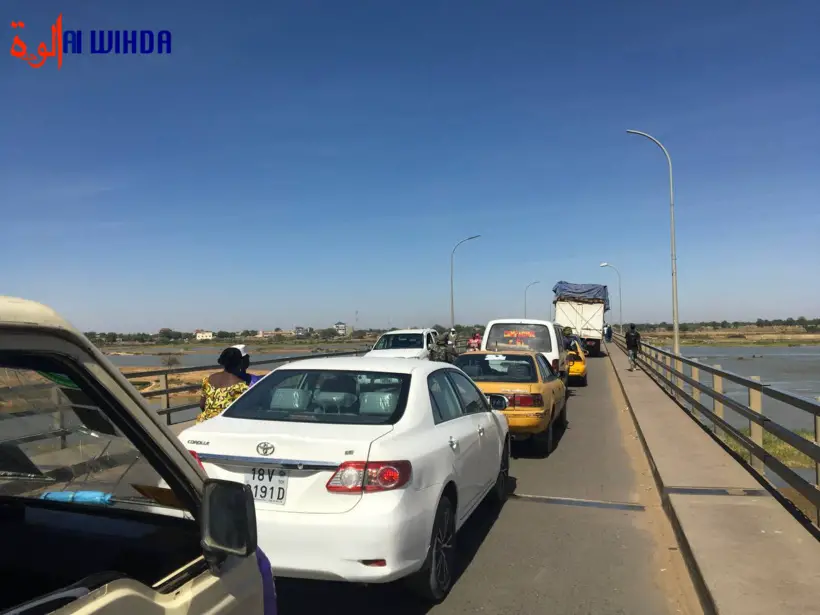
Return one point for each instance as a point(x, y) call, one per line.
point(536, 395)
point(577, 363)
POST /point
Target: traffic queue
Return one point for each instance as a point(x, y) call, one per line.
point(355, 469)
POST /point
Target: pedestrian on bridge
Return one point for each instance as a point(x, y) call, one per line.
point(444, 348)
point(251, 379)
point(219, 390)
point(633, 346)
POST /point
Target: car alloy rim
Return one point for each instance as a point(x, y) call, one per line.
point(442, 551)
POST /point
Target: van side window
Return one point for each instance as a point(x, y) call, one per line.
point(559, 338)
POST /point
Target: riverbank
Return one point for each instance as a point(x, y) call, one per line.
point(126, 350)
point(725, 339)
point(150, 383)
point(776, 447)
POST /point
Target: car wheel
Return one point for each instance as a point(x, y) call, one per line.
point(435, 579)
point(563, 421)
point(500, 492)
point(544, 442)
point(584, 381)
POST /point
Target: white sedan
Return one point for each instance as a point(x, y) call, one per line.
point(362, 469)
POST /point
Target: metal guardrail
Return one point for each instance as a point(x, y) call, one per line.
point(165, 392)
point(668, 370)
point(56, 405)
point(53, 403)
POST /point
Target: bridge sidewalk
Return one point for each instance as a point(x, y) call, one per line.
point(747, 552)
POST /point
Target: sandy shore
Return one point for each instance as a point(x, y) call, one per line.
point(147, 384)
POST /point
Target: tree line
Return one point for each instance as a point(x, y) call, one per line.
point(170, 336)
point(167, 336)
point(809, 324)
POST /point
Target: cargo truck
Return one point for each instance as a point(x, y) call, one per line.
point(582, 307)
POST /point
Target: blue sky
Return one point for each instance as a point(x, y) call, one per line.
point(294, 162)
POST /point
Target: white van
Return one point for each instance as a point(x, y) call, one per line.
point(528, 334)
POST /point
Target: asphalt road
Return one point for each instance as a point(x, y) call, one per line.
point(582, 533)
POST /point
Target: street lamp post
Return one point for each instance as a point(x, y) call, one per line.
point(525, 295)
point(620, 298)
point(452, 285)
point(675, 325)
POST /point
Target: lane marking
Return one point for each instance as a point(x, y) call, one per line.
point(716, 491)
point(546, 499)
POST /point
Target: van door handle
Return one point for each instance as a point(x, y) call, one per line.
point(453, 443)
point(480, 431)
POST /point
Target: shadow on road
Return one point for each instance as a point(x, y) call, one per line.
point(309, 597)
point(525, 450)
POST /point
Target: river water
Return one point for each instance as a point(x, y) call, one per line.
point(792, 369)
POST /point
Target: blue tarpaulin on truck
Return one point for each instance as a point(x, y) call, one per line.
point(586, 293)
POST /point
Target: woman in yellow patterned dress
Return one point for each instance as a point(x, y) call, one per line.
point(219, 390)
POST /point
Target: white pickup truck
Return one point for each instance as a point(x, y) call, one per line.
point(405, 343)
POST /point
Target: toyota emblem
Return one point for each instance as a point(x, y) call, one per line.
point(265, 448)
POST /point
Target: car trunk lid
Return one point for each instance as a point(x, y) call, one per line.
point(287, 464)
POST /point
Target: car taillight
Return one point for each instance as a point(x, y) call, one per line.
point(198, 460)
point(525, 401)
point(367, 476)
point(555, 365)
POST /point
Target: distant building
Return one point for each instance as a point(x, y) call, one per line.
point(203, 335)
point(267, 333)
point(341, 328)
point(300, 331)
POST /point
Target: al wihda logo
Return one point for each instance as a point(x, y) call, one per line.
point(95, 42)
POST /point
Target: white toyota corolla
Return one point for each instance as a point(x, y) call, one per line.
point(362, 469)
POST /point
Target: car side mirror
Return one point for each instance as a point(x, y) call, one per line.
point(227, 521)
point(497, 402)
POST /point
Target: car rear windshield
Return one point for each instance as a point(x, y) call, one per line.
point(511, 336)
point(400, 340)
point(325, 396)
point(497, 367)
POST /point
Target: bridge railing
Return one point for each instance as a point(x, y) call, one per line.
point(761, 441)
point(164, 393)
point(57, 404)
point(47, 400)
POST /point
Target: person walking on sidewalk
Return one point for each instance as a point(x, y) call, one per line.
point(633, 346)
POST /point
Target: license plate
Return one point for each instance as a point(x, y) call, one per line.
point(268, 484)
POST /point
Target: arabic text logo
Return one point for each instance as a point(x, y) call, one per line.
point(100, 42)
